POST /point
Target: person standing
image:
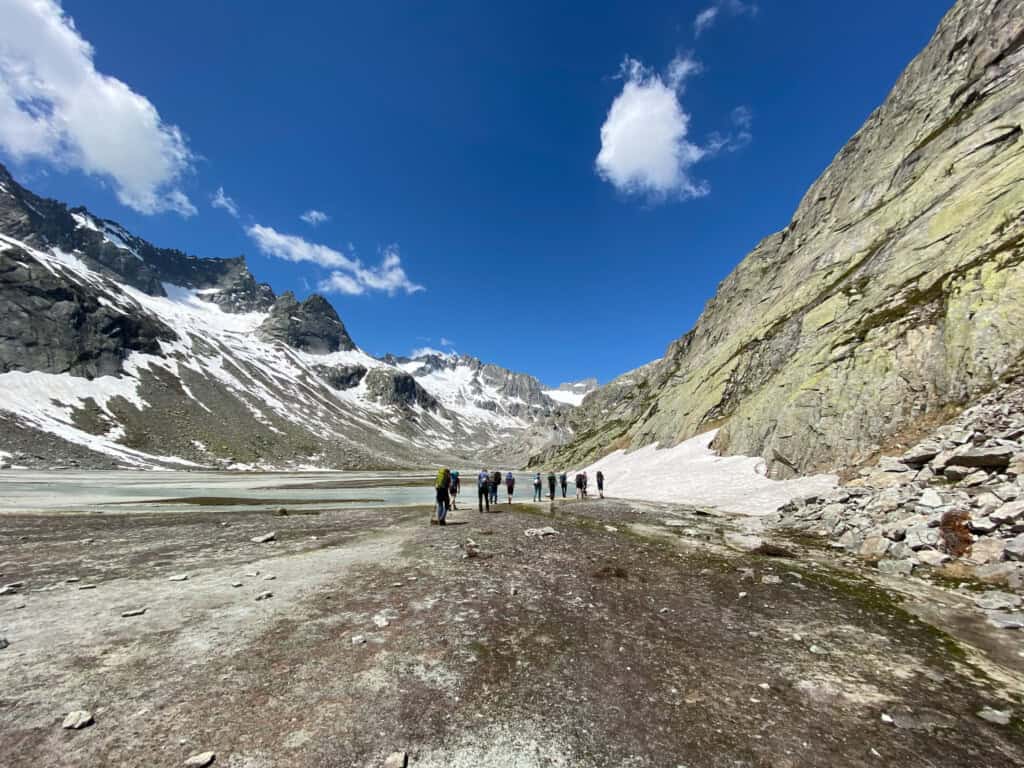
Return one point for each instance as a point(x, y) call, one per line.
point(510, 485)
point(563, 480)
point(551, 485)
point(453, 489)
point(600, 484)
point(579, 485)
point(441, 498)
point(586, 481)
point(495, 483)
point(536, 487)
point(483, 490)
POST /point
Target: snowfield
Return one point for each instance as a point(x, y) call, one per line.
point(574, 399)
point(691, 473)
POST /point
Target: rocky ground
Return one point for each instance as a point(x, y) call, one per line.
point(634, 635)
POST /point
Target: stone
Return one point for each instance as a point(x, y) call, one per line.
point(540, 533)
point(890, 464)
point(771, 579)
point(236, 584)
point(87, 586)
point(133, 612)
point(75, 721)
point(986, 551)
point(975, 478)
point(178, 577)
point(743, 542)
point(396, 760)
point(874, 547)
point(472, 549)
point(996, 457)
point(380, 621)
point(4, 643)
point(932, 558)
point(981, 525)
point(1015, 547)
point(1005, 573)
point(264, 595)
point(955, 474)
point(997, 716)
point(1008, 513)
point(1016, 466)
point(930, 498)
point(358, 640)
point(1001, 620)
point(897, 567)
point(201, 760)
point(921, 453)
point(267, 537)
point(997, 601)
point(922, 537)
point(269, 577)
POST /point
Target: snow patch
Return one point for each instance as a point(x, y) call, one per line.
point(692, 473)
point(574, 399)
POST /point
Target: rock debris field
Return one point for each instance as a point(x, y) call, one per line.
point(615, 634)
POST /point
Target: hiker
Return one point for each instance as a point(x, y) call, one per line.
point(453, 489)
point(600, 484)
point(579, 485)
point(536, 487)
point(586, 480)
point(563, 480)
point(483, 490)
point(495, 482)
point(441, 484)
point(551, 485)
point(510, 485)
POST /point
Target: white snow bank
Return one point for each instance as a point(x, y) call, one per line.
point(691, 473)
point(561, 396)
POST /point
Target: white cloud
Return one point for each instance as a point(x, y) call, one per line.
point(447, 342)
point(314, 217)
point(707, 17)
point(221, 200)
point(424, 351)
point(349, 276)
point(55, 106)
point(644, 145)
point(737, 138)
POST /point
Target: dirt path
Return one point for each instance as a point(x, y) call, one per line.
point(619, 641)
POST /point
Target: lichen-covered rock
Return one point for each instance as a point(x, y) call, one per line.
point(892, 293)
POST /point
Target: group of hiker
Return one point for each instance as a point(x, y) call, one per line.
point(448, 484)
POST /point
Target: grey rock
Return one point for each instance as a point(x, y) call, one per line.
point(771, 579)
point(932, 558)
point(133, 612)
point(1015, 548)
point(997, 601)
point(201, 760)
point(997, 457)
point(393, 387)
point(897, 567)
point(981, 525)
point(265, 538)
point(358, 640)
point(921, 453)
point(956, 474)
point(986, 551)
point(930, 498)
point(891, 464)
point(922, 537)
point(342, 376)
point(997, 716)
point(311, 326)
point(78, 719)
point(4, 643)
point(1005, 573)
point(874, 547)
point(1008, 513)
point(264, 595)
point(1002, 620)
point(178, 577)
point(743, 542)
point(396, 760)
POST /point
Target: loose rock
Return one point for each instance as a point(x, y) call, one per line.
point(267, 537)
point(201, 760)
point(77, 720)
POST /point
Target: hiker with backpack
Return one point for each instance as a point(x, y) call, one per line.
point(600, 484)
point(453, 489)
point(579, 485)
point(536, 487)
point(510, 485)
point(483, 490)
point(586, 481)
point(441, 484)
point(563, 480)
point(551, 485)
point(495, 482)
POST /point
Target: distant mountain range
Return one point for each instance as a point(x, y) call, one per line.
point(114, 352)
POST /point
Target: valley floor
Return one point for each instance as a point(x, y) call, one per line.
point(631, 637)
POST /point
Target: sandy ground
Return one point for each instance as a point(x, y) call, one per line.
point(620, 641)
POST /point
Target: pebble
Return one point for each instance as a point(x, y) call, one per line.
point(266, 537)
point(77, 720)
point(87, 586)
point(997, 716)
point(201, 760)
point(72, 580)
point(358, 640)
point(771, 579)
point(381, 621)
point(178, 577)
point(236, 583)
point(133, 612)
point(264, 595)
point(269, 577)
point(817, 650)
point(397, 760)
point(4, 643)
point(887, 719)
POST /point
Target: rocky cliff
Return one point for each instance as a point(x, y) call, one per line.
point(893, 295)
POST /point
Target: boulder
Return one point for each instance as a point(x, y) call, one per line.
point(874, 547)
point(921, 453)
point(1007, 574)
point(956, 474)
point(932, 558)
point(930, 498)
point(986, 551)
point(922, 537)
point(995, 457)
point(981, 525)
point(1008, 513)
point(75, 721)
point(201, 760)
point(897, 567)
point(997, 601)
point(743, 542)
point(1015, 548)
point(891, 464)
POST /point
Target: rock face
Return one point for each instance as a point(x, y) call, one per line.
point(397, 388)
point(893, 292)
point(312, 325)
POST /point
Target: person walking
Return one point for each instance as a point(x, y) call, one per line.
point(454, 488)
point(563, 480)
point(510, 485)
point(495, 483)
point(483, 490)
point(579, 485)
point(441, 484)
point(586, 480)
point(600, 484)
point(551, 485)
point(536, 487)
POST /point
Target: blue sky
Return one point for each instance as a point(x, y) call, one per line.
point(456, 149)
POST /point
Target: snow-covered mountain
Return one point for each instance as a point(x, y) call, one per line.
point(116, 353)
point(572, 392)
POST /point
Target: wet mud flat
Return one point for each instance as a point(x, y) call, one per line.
point(616, 641)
